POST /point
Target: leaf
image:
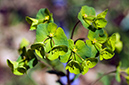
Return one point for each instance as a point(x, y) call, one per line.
point(57, 51)
point(85, 68)
point(100, 36)
point(41, 32)
point(118, 43)
point(37, 45)
point(60, 38)
point(51, 32)
point(127, 70)
point(64, 58)
point(81, 50)
point(118, 73)
point(17, 69)
point(33, 22)
point(31, 59)
point(100, 21)
point(93, 51)
point(102, 14)
point(106, 54)
point(110, 44)
point(127, 79)
point(48, 45)
point(91, 62)
point(43, 16)
point(39, 49)
point(71, 43)
point(24, 43)
point(32, 62)
point(88, 63)
point(86, 16)
point(74, 67)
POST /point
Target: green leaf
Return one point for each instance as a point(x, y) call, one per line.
point(48, 45)
point(10, 63)
point(43, 16)
point(71, 43)
point(99, 36)
point(106, 54)
point(85, 67)
point(24, 43)
point(81, 50)
point(127, 70)
point(33, 22)
point(41, 32)
point(50, 31)
point(86, 16)
point(110, 44)
point(102, 14)
point(37, 45)
point(91, 62)
point(88, 63)
point(100, 21)
point(31, 59)
point(57, 51)
point(127, 79)
point(32, 62)
point(17, 69)
point(60, 38)
point(93, 51)
point(74, 67)
point(118, 43)
point(118, 72)
point(39, 49)
point(20, 58)
point(64, 58)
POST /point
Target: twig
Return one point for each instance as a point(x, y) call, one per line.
point(46, 64)
point(102, 76)
point(74, 29)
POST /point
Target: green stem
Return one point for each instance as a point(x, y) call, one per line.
point(102, 77)
point(46, 64)
point(74, 29)
point(68, 73)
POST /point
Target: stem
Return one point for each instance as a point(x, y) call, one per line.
point(102, 77)
point(74, 29)
point(79, 57)
point(46, 64)
point(68, 73)
point(68, 77)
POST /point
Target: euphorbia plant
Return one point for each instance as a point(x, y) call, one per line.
point(52, 44)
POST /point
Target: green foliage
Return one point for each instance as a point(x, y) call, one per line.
point(86, 16)
point(43, 16)
point(74, 67)
point(53, 46)
point(118, 73)
point(100, 21)
point(88, 63)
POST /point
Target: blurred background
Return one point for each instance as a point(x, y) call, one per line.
point(13, 28)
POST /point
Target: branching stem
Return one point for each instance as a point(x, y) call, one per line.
point(68, 73)
point(74, 29)
point(102, 77)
